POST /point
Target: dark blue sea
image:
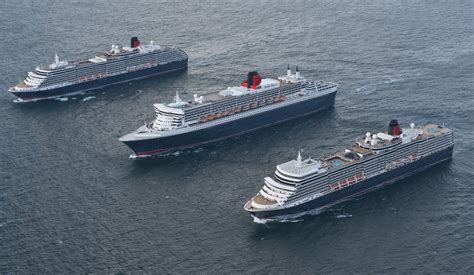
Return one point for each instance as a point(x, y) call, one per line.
point(72, 202)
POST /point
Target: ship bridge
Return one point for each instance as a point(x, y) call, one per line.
point(278, 189)
point(169, 116)
point(295, 171)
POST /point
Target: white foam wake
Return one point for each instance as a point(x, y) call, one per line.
point(289, 218)
point(342, 216)
point(88, 98)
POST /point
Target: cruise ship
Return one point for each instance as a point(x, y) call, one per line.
point(117, 65)
point(308, 186)
point(256, 103)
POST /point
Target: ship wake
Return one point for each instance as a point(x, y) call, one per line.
point(289, 218)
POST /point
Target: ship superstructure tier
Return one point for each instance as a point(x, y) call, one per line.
point(119, 64)
point(256, 103)
point(299, 186)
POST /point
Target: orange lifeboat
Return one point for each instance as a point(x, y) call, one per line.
point(343, 183)
point(279, 98)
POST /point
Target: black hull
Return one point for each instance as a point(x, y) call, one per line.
point(357, 189)
point(165, 145)
point(103, 82)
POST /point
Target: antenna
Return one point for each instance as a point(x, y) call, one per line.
point(177, 99)
point(299, 161)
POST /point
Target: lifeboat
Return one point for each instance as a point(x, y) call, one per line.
point(343, 183)
point(218, 115)
point(245, 107)
point(237, 109)
point(351, 180)
point(261, 103)
point(279, 98)
point(253, 105)
point(269, 100)
point(414, 157)
point(210, 117)
point(203, 119)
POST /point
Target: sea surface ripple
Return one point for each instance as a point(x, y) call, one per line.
point(72, 201)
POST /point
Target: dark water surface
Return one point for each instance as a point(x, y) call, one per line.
point(72, 201)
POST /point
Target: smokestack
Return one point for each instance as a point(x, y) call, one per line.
point(288, 71)
point(394, 128)
point(250, 79)
point(134, 42)
point(297, 72)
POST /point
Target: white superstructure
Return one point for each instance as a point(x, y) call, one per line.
point(232, 103)
point(299, 181)
point(117, 60)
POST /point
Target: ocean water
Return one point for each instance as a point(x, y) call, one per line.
point(72, 201)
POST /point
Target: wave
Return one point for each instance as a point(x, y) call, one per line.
point(392, 80)
point(292, 218)
point(88, 98)
point(62, 99)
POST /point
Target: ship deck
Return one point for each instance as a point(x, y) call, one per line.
point(382, 143)
point(215, 96)
point(342, 158)
point(86, 62)
point(433, 130)
point(360, 150)
point(22, 85)
point(261, 200)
